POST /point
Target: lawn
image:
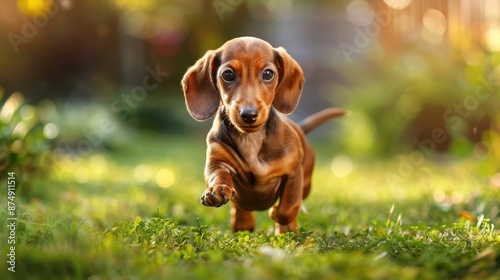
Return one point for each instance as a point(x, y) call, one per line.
point(134, 213)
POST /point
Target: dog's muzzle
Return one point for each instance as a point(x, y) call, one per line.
point(249, 114)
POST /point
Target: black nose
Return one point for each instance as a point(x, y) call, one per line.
point(249, 114)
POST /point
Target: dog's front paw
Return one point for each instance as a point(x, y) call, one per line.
point(217, 196)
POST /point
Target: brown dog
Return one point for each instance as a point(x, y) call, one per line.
point(255, 155)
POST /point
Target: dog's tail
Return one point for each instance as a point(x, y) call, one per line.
point(320, 117)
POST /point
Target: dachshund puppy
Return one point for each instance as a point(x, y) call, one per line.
point(257, 158)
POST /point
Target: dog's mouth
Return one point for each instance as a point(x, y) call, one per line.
point(245, 125)
point(249, 128)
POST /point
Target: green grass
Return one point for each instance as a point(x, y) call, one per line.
point(97, 220)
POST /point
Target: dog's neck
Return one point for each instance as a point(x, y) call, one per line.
point(248, 144)
point(256, 152)
point(253, 148)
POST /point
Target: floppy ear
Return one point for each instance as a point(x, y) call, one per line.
point(290, 82)
point(199, 86)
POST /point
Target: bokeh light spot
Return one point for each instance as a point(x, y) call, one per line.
point(20, 130)
point(27, 112)
point(10, 106)
point(492, 38)
point(359, 12)
point(31, 7)
point(439, 196)
point(495, 181)
point(457, 197)
point(434, 26)
point(143, 173)
point(434, 21)
point(50, 131)
point(341, 166)
point(16, 146)
point(474, 56)
point(165, 178)
point(397, 4)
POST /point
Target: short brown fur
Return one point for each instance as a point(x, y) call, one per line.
point(256, 156)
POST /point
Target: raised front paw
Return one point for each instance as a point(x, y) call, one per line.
point(217, 196)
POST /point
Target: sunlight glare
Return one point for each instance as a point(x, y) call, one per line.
point(31, 7)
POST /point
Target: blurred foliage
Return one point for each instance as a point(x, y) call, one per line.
point(402, 98)
point(101, 46)
point(26, 138)
point(94, 51)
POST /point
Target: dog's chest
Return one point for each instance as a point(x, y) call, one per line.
point(250, 146)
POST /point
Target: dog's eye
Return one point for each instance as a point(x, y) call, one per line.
point(268, 75)
point(228, 76)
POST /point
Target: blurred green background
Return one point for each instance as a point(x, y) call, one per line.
point(109, 164)
point(420, 78)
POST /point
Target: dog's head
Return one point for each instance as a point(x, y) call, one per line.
point(247, 76)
